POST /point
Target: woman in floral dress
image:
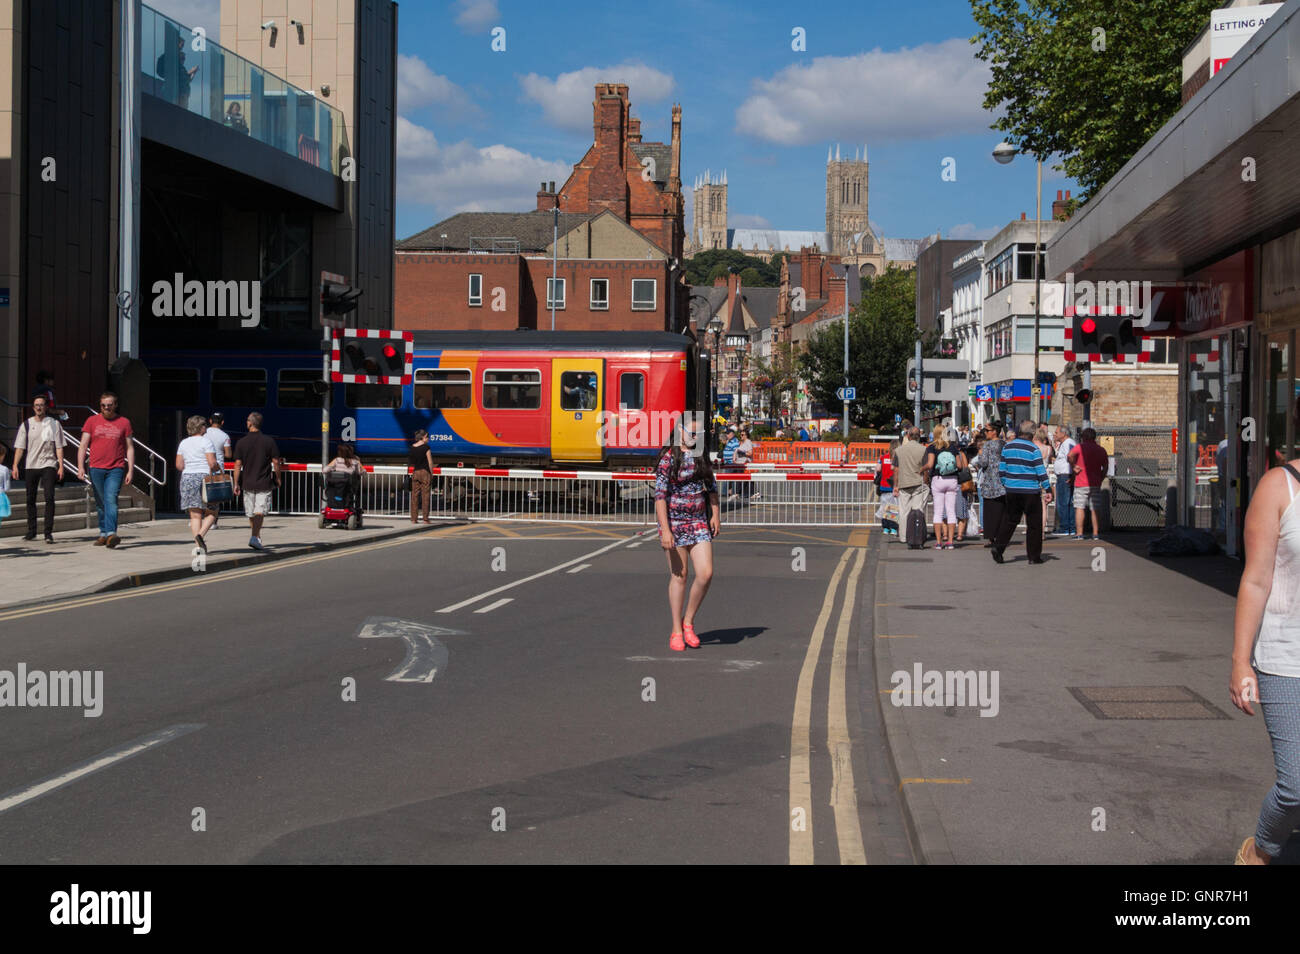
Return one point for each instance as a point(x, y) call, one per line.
point(686, 506)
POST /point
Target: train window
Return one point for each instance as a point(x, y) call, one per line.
point(295, 388)
point(578, 391)
point(600, 294)
point(239, 387)
point(442, 387)
point(373, 395)
point(518, 390)
point(643, 294)
point(476, 289)
point(631, 390)
point(174, 387)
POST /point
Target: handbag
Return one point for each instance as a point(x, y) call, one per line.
point(218, 488)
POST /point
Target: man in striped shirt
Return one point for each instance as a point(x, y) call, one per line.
point(1025, 478)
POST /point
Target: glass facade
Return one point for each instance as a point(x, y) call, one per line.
point(203, 77)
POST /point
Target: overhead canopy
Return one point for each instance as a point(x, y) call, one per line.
point(1181, 202)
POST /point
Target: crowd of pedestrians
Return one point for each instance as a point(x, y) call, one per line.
point(986, 481)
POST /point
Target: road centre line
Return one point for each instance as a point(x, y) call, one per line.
point(102, 761)
point(844, 799)
point(528, 579)
point(801, 842)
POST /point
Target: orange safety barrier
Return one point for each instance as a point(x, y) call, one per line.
point(823, 452)
point(771, 452)
point(862, 452)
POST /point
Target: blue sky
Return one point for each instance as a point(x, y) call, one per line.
point(479, 129)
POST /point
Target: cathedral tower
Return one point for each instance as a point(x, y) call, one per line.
point(710, 211)
point(846, 199)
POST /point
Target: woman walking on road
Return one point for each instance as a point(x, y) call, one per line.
point(420, 459)
point(1266, 649)
point(942, 461)
point(196, 458)
point(993, 494)
point(687, 511)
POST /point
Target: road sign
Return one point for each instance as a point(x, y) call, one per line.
point(847, 394)
point(984, 392)
point(898, 419)
point(945, 379)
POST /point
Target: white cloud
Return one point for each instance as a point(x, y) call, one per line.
point(474, 15)
point(968, 230)
point(922, 92)
point(566, 99)
point(195, 13)
point(745, 221)
point(462, 177)
point(419, 86)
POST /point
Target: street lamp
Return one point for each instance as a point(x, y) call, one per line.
point(1004, 152)
point(715, 329)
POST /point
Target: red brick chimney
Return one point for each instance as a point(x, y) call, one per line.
point(835, 285)
point(633, 129)
point(720, 282)
point(607, 185)
point(546, 197)
point(1060, 208)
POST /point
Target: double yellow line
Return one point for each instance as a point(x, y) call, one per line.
point(843, 796)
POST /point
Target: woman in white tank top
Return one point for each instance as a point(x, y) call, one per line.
point(1266, 649)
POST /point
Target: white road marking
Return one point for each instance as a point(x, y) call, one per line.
point(491, 606)
point(585, 566)
point(844, 798)
point(102, 761)
point(535, 576)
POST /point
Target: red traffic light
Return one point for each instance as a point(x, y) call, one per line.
point(1083, 395)
point(1089, 326)
point(390, 352)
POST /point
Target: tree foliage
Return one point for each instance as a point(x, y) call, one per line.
point(882, 337)
point(1087, 80)
point(702, 268)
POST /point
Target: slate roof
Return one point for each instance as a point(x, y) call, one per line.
point(775, 240)
point(533, 230)
point(901, 250)
point(661, 153)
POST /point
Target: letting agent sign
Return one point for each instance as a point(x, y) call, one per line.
point(1231, 29)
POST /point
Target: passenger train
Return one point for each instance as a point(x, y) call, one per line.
point(487, 398)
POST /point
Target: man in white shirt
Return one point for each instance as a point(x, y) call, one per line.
point(1064, 474)
point(41, 439)
point(221, 443)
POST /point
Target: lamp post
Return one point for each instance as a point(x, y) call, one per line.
point(1004, 152)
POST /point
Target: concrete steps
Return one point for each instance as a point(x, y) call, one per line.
point(74, 509)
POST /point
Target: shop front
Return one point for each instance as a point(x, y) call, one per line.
point(1012, 401)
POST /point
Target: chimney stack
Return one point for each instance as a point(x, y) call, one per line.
point(1060, 208)
point(547, 200)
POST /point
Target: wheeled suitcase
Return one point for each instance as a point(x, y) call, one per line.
point(915, 532)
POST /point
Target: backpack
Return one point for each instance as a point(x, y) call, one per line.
point(946, 464)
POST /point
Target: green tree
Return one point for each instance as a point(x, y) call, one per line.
point(701, 267)
point(751, 278)
point(882, 337)
point(1062, 87)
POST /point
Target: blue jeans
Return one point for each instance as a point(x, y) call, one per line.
point(107, 482)
point(1065, 503)
point(1279, 698)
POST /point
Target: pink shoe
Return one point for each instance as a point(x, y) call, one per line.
point(688, 633)
point(676, 644)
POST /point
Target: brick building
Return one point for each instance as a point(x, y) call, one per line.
point(616, 262)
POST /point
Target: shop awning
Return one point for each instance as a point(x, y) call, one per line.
point(1181, 202)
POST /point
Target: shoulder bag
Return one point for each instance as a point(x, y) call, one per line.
point(217, 488)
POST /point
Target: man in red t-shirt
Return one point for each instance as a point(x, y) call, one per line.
point(106, 439)
point(1090, 464)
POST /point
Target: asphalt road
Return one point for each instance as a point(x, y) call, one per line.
point(534, 740)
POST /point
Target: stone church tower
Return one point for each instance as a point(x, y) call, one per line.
point(710, 211)
point(846, 200)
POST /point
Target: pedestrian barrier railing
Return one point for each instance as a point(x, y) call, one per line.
point(828, 452)
point(815, 496)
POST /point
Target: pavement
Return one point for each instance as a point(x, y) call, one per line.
point(1112, 741)
point(160, 550)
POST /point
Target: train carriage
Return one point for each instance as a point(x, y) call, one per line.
point(496, 398)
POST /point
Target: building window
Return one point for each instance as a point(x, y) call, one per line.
point(600, 294)
point(1025, 263)
point(1051, 334)
point(295, 388)
point(631, 391)
point(475, 290)
point(997, 339)
point(239, 387)
point(517, 390)
point(441, 387)
point(555, 292)
point(644, 294)
point(176, 387)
